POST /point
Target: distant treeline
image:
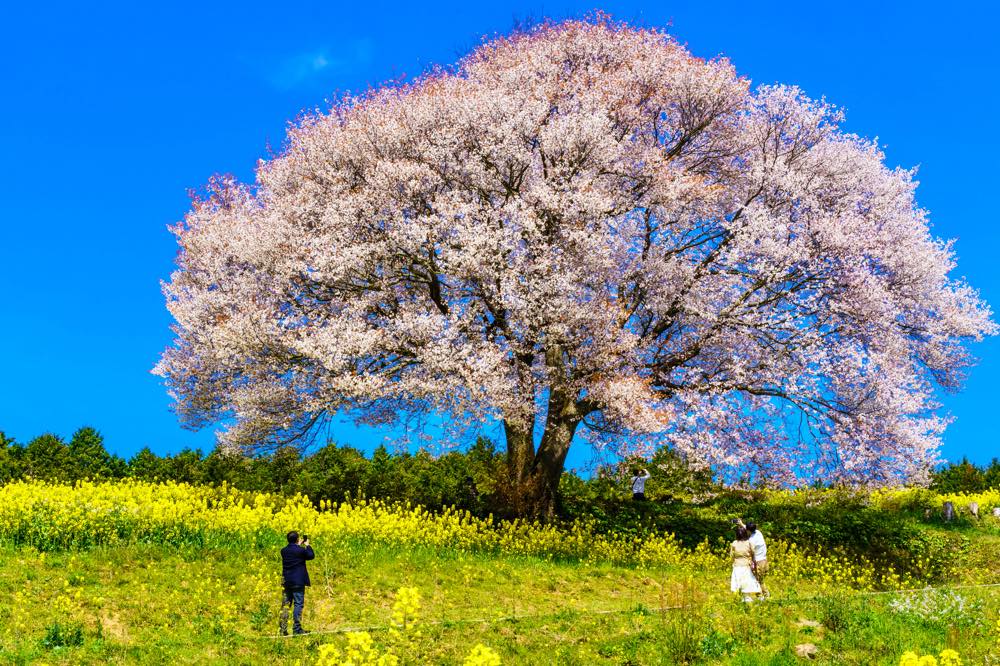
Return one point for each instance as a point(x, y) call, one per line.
point(966, 477)
point(330, 472)
point(466, 479)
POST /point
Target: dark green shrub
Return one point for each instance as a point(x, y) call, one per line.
point(715, 644)
point(836, 612)
point(682, 640)
point(62, 635)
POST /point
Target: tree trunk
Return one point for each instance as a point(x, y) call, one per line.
point(534, 475)
point(520, 451)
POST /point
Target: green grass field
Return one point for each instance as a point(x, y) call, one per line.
point(153, 604)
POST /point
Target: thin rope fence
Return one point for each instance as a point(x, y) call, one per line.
point(631, 609)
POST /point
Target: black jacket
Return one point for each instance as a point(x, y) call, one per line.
point(293, 564)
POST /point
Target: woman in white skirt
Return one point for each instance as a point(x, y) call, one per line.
point(743, 581)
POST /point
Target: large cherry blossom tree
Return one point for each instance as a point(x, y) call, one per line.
point(579, 231)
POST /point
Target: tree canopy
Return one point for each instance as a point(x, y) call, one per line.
point(580, 231)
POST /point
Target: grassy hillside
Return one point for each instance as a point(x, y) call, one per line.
point(146, 573)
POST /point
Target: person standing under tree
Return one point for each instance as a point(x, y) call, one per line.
point(743, 581)
point(295, 577)
point(639, 477)
point(759, 555)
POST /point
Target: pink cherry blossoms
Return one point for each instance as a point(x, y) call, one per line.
point(584, 233)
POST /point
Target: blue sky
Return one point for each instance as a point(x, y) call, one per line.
point(111, 112)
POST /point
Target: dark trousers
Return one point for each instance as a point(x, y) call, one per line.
point(639, 497)
point(295, 597)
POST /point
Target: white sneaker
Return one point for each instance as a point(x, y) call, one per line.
point(747, 600)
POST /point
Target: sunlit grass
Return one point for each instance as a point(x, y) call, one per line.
point(144, 573)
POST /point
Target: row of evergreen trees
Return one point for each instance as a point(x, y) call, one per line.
point(966, 477)
point(330, 472)
point(464, 479)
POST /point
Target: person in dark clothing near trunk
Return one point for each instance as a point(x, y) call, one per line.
point(296, 579)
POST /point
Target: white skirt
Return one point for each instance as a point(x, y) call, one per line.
point(743, 581)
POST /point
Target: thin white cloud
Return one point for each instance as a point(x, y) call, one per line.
point(316, 67)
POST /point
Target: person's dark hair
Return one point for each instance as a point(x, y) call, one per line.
point(751, 528)
point(293, 537)
point(741, 533)
point(635, 471)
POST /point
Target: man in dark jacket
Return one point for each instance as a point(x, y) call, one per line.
point(296, 578)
